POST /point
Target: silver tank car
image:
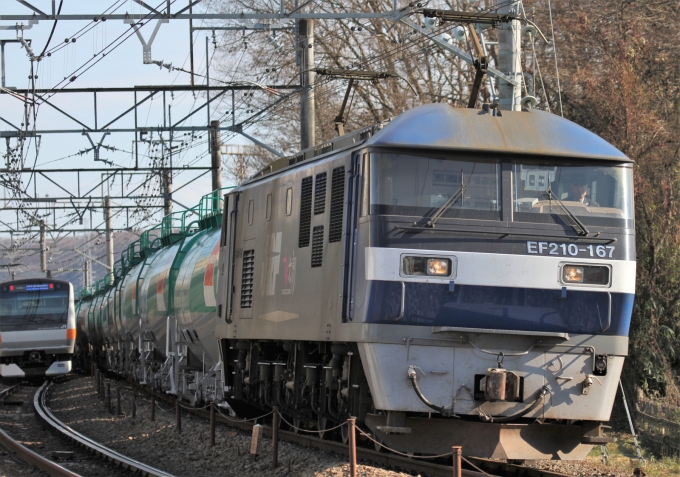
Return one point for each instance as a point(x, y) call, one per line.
point(153, 318)
point(456, 277)
point(37, 328)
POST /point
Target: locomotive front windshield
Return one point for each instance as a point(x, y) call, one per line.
point(420, 186)
point(597, 195)
point(32, 309)
point(542, 192)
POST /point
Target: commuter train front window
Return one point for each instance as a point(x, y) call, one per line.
point(33, 308)
point(597, 194)
point(421, 186)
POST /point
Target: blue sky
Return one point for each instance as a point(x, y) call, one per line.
point(121, 67)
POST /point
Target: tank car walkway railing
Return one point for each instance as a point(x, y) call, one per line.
point(40, 403)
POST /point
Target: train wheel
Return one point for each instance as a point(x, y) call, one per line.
point(344, 432)
point(377, 443)
point(321, 424)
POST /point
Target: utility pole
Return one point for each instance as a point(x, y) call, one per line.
point(109, 232)
point(509, 59)
point(86, 279)
point(307, 77)
point(167, 186)
point(43, 248)
point(216, 155)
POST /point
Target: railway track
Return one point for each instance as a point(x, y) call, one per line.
point(385, 459)
point(23, 433)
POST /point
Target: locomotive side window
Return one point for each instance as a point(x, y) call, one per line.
point(289, 200)
point(422, 186)
point(251, 211)
point(268, 212)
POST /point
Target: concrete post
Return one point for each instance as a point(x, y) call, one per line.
point(307, 77)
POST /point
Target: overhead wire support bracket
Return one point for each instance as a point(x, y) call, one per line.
point(97, 147)
point(146, 46)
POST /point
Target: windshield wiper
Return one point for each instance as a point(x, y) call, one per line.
point(446, 206)
point(577, 225)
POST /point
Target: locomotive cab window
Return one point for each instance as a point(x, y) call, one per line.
point(597, 194)
point(422, 186)
point(251, 211)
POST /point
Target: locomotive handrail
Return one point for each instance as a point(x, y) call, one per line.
point(403, 302)
point(455, 329)
point(609, 314)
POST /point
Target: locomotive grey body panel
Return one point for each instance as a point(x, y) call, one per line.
point(291, 299)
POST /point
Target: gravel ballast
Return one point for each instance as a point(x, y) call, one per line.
point(190, 455)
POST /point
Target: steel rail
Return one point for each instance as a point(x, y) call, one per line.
point(40, 404)
point(26, 454)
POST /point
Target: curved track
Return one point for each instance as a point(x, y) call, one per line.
point(40, 403)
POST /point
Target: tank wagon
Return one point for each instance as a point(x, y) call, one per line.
point(451, 277)
point(153, 318)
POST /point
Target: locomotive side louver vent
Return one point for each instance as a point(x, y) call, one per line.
point(337, 204)
point(305, 211)
point(317, 246)
point(320, 194)
point(247, 278)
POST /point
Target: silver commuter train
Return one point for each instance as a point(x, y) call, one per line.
point(37, 327)
point(452, 277)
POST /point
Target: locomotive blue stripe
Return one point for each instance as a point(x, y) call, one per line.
point(521, 309)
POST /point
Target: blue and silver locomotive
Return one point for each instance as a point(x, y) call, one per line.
point(452, 277)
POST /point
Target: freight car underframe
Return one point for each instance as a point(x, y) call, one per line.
point(500, 394)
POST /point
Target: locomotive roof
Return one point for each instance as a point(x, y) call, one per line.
point(533, 132)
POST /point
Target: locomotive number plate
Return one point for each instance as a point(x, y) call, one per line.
point(570, 249)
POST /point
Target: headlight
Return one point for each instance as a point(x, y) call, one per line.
point(437, 267)
point(572, 274)
point(586, 274)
